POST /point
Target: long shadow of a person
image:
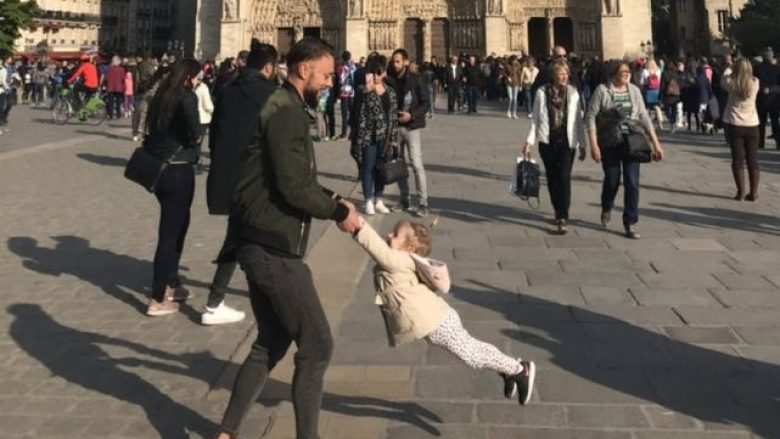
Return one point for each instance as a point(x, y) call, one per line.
point(122, 277)
point(706, 384)
point(78, 357)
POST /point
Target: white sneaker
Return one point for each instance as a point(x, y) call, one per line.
point(136, 138)
point(368, 208)
point(380, 207)
point(221, 315)
point(508, 115)
point(514, 116)
point(530, 115)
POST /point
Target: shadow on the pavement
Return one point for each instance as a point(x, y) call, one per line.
point(643, 186)
point(103, 160)
point(714, 217)
point(473, 172)
point(105, 134)
point(77, 357)
point(706, 384)
point(122, 277)
point(768, 160)
point(476, 212)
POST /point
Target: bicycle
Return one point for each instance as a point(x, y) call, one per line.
point(93, 111)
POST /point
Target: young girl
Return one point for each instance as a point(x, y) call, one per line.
point(413, 311)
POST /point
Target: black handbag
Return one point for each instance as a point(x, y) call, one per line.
point(527, 182)
point(146, 169)
point(393, 167)
point(638, 148)
point(608, 130)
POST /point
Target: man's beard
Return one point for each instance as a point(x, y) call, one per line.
point(311, 97)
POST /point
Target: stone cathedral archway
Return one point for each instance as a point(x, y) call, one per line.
point(282, 22)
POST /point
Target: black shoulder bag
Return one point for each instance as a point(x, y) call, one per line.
point(392, 168)
point(146, 169)
point(637, 144)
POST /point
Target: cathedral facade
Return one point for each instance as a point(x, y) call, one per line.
point(426, 28)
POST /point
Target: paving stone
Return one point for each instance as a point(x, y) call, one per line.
point(673, 297)
point(748, 316)
point(743, 281)
point(594, 386)
point(434, 412)
point(552, 433)
point(679, 281)
point(453, 431)
point(663, 418)
point(656, 315)
point(359, 352)
point(592, 279)
point(588, 266)
point(574, 242)
point(702, 335)
point(437, 383)
point(534, 415)
point(690, 435)
point(605, 296)
point(605, 416)
point(694, 244)
point(769, 298)
point(545, 294)
point(759, 335)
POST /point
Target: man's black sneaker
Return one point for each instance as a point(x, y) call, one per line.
point(510, 386)
point(422, 212)
point(525, 382)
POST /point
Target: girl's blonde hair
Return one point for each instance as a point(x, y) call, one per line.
point(422, 239)
point(741, 79)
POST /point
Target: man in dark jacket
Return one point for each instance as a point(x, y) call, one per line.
point(768, 100)
point(413, 104)
point(273, 203)
point(471, 77)
point(453, 76)
point(234, 120)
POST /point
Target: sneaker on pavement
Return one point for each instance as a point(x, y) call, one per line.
point(510, 386)
point(380, 207)
point(422, 212)
point(525, 382)
point(156, 309)
point(368, 208)
point(180, 294)
point(221, 315)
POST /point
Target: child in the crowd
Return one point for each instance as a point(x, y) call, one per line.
point(412, 310)
point(129, 93)
point(322, 129)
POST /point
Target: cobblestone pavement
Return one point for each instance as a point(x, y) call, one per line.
point(672, 336)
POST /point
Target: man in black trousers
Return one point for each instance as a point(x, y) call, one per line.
point(453, 74)
point(235, 116)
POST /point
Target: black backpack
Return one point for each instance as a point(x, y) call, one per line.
point(527, 181)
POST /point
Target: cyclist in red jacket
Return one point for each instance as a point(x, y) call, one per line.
point(88, 73)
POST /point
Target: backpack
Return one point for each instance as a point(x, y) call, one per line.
point(526, 180)
point(654, 82)
point(673, 89)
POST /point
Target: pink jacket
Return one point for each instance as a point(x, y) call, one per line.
point(129, 83)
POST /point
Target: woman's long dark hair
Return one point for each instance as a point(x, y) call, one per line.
point(165, 100)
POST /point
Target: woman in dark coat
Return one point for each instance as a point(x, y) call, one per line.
point(174, 130)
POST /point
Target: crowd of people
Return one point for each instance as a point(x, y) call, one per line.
point(262, 113)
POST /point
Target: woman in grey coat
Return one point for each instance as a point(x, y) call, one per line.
point(619, 93)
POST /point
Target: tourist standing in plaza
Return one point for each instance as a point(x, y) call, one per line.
point(558, 126)
point(276, 197)
point(174, 134)
point(377, 130)
point(768, 73)
point(672, 92)
point(527, 79)
point(651, 83)
point(627, 98)
point(740, 120)
point(143, 81)
point(233, 123)
point(346, 91)
point(115, 87)
point(472, 77)
point(454, 76)
point(513, 85)
point(5, 94)
point(413, 104)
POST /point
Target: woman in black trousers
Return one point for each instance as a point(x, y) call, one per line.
point(557, 124)
point(740, 119)
point(174, 131)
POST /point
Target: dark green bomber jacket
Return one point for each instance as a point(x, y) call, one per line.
point(277, 193)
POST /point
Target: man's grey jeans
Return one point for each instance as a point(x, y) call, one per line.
point(412, 140)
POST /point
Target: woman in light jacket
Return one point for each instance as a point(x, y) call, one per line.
point(621, 94)
point(558, 126)
point(740, 119)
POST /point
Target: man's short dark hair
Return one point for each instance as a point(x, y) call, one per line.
point(242, 55)
point(308, 49)
point(261, 55)
point(404, 54)
point(346, 56)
